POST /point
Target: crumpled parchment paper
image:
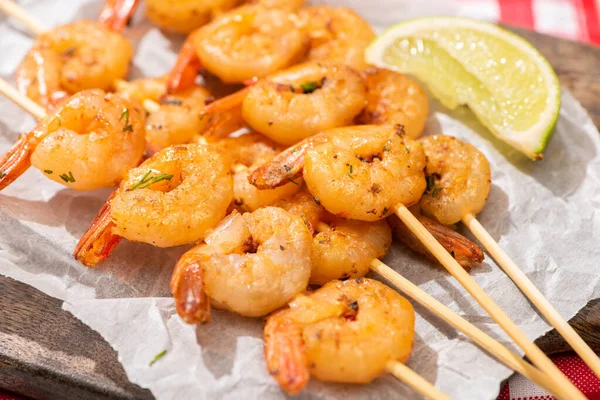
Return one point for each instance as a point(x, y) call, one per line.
point(544, 214)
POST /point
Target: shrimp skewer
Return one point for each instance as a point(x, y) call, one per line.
point(89, 142)
point(74, 57)
point(343, 332)
point(367, 184)
point(462, 189)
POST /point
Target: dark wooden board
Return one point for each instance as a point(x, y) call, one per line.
point(46, 353)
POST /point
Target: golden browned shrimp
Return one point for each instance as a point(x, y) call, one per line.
point(464, 251)
point(341, 248)
point(394, 99)
point(172, 198)
point(344, 332)
point(172, 118)
point(337, 34)
point(70, 58)
point(248, 42)
point(362, 172)
point(184, 16)
point(89, 142)
point(250, 264)
point(295, 103)
point(458, 179)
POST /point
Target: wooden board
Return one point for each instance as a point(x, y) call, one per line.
point(46, 353)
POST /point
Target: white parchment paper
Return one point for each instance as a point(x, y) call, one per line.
point(545, 215)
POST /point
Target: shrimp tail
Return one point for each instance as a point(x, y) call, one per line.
point(16, 161)
point(186, 69)
point(466, 252)
point(187, 287)
point(115, 14)
point(285, 167)
point(99, 241)
point(225, 115)
point(284, 354)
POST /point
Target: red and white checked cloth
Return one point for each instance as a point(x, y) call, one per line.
point(519, 388)
point(571, 19)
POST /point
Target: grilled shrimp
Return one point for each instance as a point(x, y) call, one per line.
point(394, 99)
point(295, 103)
point(337, 35)
point(250, 264)
point(464, 251)
point(458, 179)
point(172, 198)
point(248, 42)
point(184, 16)
point(89, 142)
point(344, 332)
point(70, 58)
point(341, 248)
point(356, 172)
point(172, 118)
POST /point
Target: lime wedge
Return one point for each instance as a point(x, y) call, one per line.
point(501, 77)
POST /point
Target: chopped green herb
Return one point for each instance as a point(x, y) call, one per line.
point(385, 211)
point(350, 173)
point(2, 174)
point(387, 146)
point(150, 180)
point(293, 181)
point(157, 357)
point(406, 150)
point(48, 171)
point(309, 87)
point(67, 178)
point(297, 149)
point(125, 114)
point(436, 191)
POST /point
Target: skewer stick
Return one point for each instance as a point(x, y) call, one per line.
point(531, 350)
point(479, 337)
point(533, 293)
point(21, 100)
point(414, 380)
point(12, 9)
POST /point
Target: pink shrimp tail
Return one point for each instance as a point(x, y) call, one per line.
point(284, 354)
point(186, 69)
point(99, 241)
point(16, 160)
point(116, 14)
point(187, 287)
point(225, 115)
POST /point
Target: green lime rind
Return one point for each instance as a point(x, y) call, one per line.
point(500, 76)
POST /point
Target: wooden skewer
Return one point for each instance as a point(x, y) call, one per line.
point(531, 350)
point(533, 293)
point(479, 337)
point(414, 380)
point(12, 9)
point(21, 100)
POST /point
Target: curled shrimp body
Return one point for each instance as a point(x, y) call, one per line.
point(250, 264)
point(361, 172)
point(303, 100)
point(341, 248)
point(347, 331)
point(394, 99)
point(337, 34)
point(172, 118)
point(248, 42)
point(172, 198)
point(89, 142)
point(70, 58)
point(458, 179)
point(184, 16)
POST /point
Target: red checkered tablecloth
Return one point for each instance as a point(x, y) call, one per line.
point(571, 19)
